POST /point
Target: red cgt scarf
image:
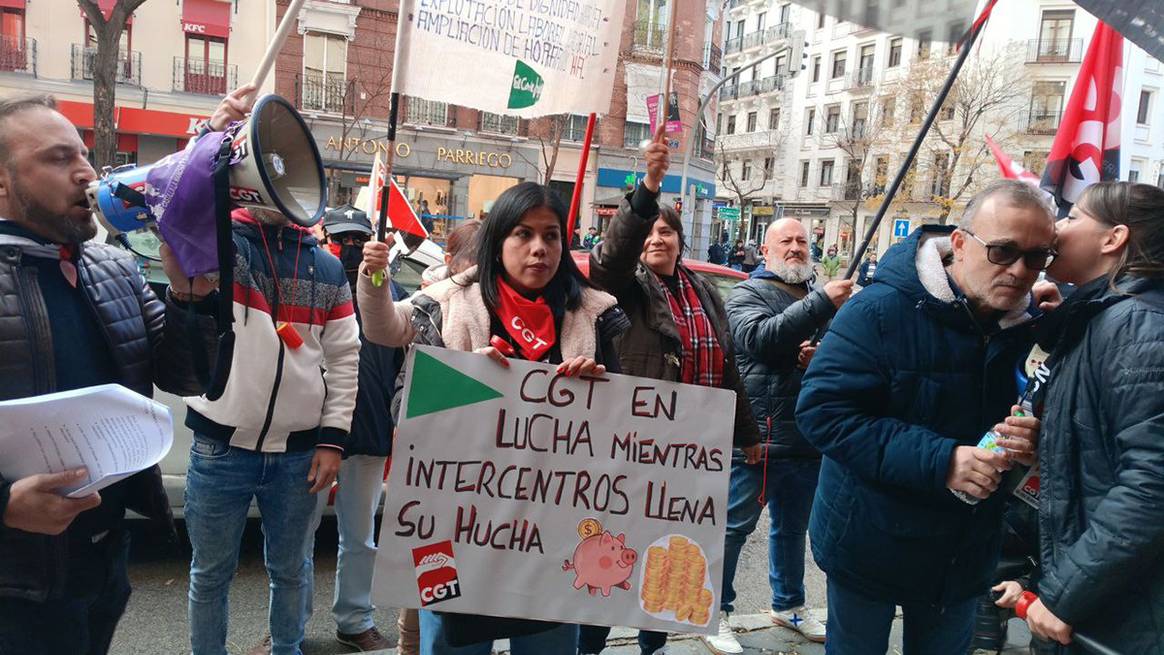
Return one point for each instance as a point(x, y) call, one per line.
point(529, 322)
point(703, 358)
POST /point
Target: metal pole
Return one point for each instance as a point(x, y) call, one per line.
point(917, 144)
point(699, 119)
point(576, 199)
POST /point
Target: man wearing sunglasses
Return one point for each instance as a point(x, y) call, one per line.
point(913, 371)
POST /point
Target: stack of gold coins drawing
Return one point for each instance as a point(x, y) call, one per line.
point(673, 581)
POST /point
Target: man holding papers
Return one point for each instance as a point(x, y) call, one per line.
point(73, 314)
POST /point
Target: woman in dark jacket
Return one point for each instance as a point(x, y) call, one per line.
point(1101, 498)
point(678, 327)
point(524, 271)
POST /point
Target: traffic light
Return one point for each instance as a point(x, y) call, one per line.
point(679, 205)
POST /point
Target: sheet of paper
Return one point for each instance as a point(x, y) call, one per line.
point(110, 430)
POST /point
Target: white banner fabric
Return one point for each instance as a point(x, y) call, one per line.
point(517, 492)
point(526, 58)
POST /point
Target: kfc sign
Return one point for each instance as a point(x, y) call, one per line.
point(196, 28)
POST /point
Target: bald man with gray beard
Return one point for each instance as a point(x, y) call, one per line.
point(773, 315)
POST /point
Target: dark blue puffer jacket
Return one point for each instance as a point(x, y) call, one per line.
point(1101, 502)
point(901, 378)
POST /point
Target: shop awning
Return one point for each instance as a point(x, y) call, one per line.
point(12, 4)
point(132, 120)
point(106, 7)
point(206, 17)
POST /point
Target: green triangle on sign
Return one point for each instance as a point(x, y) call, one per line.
point(436, 386)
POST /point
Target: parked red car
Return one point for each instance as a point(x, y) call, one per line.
point(722, 277)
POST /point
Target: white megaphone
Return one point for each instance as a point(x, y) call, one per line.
point(274, 165)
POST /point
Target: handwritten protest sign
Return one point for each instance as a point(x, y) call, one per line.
point(524, 57)
point(519, 493)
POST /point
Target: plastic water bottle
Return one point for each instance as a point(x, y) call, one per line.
point(989, 441)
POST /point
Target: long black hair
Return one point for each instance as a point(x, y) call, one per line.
point(507, 211)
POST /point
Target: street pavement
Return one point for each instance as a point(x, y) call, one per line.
point(155, 621)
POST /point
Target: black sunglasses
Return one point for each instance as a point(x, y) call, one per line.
point(1005, 255)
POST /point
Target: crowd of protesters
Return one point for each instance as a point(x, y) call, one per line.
point(865, 439)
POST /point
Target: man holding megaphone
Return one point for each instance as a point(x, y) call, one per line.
point(277, 432)
point(73, 314)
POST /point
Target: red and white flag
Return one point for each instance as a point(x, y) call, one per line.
point(1087, 146)
point(1009, 168)
point(401, 215)
point(371, 195)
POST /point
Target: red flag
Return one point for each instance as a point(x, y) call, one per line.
point(400, 213)
point(1010, 169)
point(1087, 145)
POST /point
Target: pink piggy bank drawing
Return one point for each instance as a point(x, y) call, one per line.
point(601, 560)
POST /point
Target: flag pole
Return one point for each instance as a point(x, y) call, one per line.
point(663, 109)
point(577, 196)
point(276, 44)
point(403, 18)
point(963, 52)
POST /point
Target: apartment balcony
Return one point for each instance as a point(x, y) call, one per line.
point(752, 88)
point(327, 94)
point(846, 192)
point(860, 79)
point(758, 37)
point(1054, 51)
point(1042, 122)
point(128, 65)
point(18, 55)
point(649, 36)
point(205, 77)
point(498, 124)
point(759, 141)
point(419, 111)
point(712, 58)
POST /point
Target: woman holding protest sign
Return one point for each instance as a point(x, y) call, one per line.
point(678, 325)
point(1101, 497)
point(389, 323)
point(524, 298)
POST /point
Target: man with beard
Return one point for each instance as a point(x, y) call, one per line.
point(366, 452)
point(74, 314)
point(773, 315)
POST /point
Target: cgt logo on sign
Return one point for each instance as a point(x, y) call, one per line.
point(436, 573)
point(527, 86)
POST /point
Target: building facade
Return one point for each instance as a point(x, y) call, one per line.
point(823, 145)
point(178, 58)
point(176, 61)
point(456, 160)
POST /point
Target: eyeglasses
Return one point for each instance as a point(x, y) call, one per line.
point(1005, 255)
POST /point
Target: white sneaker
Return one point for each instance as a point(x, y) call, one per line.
point(801, 621)
point(724, 643)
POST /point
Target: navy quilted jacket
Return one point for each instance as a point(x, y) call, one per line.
point(1101, 514)
point(901, 379)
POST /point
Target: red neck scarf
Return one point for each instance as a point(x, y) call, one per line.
point(703, 357)
point(530, 323)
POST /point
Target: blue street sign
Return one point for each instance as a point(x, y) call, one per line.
point(900, 228)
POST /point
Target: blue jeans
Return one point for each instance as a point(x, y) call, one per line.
point(220, 484)
point(859, 625)
point(790, 489)
point(563, 639)
point(358, 495)
point(592, 639)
